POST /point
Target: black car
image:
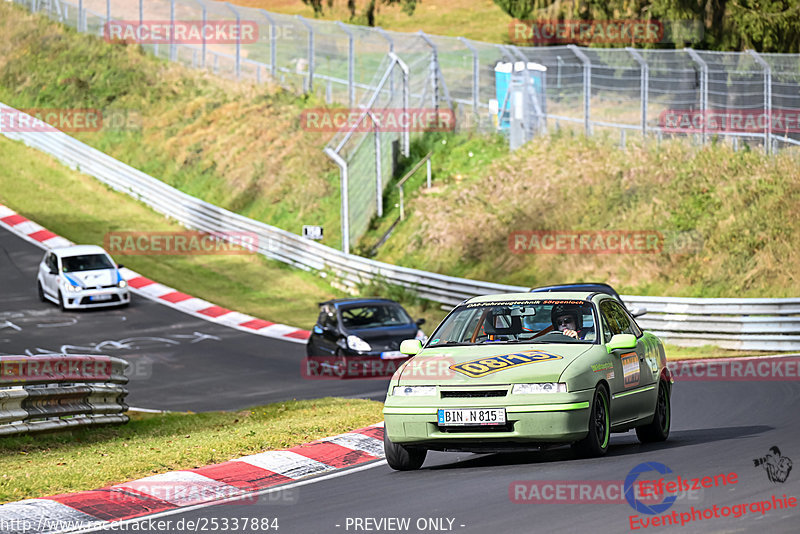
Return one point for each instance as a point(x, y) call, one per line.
point(599, 287)
point(365, 328)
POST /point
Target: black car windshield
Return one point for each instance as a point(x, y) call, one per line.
point(374, 316)
point(536, 321)
point(86, 262)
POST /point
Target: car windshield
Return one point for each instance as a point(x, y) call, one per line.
point(374, 316)
point(539, 321)
point(86, 262)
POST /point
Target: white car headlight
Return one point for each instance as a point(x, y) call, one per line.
point(122, 283)
point(421, 336)
point(69, 287)
point(356, 343)
point(414, 391)
point(547, 387)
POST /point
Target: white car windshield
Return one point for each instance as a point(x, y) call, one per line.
point(541, 321)
point(86, 262)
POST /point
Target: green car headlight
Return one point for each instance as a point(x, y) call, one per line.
point(414, 391)
point(547, 387)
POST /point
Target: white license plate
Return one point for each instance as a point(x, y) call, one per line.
point(472, 416)
point(392, 355)
point(99, 298)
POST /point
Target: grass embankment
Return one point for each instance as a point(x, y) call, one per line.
point(738, 209)
point(49, 464)
point(236, 145)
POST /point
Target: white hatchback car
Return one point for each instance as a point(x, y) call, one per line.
point(81, 276)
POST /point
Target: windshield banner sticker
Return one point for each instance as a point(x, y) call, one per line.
point(484, 366)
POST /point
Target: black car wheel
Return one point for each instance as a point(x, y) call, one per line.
point(596, 441)
point(61, 302)
point(658, 429)
point(40, 291)
point(402, 458)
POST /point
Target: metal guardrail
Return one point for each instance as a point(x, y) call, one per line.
point(691, 321)
point(58, 391)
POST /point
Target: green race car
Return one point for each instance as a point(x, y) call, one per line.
point(527, 370)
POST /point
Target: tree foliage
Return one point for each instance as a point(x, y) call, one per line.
point(368, 14)
point(763, 25)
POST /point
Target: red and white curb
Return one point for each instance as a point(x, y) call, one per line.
point(45, 239)
point(241, 481)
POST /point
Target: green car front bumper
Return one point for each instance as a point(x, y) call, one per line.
point(564, 418)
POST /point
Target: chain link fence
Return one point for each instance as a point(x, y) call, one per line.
point(738, 97)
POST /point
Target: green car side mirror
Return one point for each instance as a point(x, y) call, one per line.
point(411, 347)
point(619, 341)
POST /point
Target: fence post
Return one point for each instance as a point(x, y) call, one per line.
point(587, 87)
point(310, 84)
point(767, 98)
point(238, 40)
point(108, 12)
point(273, 42)
point(406, 133)
point(475, 75)
point(383, 33)
point(172, 49)
point(203, 45)
point(345, 209)
point(428, 169)
point(436, 73)
point(703, 87)
point(378, 173)
point(350, 63)
point(644, 80)
point(80, 16)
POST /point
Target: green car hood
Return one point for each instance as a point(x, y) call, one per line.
point(490, 364)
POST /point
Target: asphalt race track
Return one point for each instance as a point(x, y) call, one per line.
point(184, 363)
point(179, 362)
point(718, 428)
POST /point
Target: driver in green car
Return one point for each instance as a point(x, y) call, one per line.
point(568, 319)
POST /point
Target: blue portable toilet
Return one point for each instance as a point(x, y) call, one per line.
point(503, 72)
